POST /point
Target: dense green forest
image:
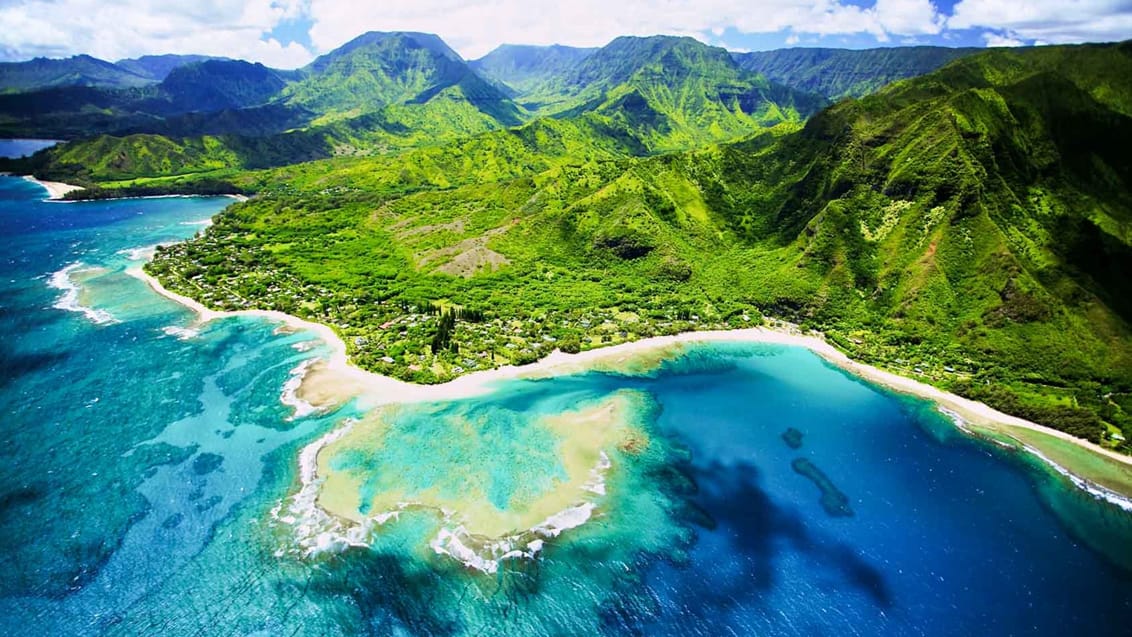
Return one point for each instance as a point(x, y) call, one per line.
point(970, 227)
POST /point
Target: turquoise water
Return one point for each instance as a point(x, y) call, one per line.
point(143, 460)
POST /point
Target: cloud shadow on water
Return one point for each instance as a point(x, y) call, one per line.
point(759, 530)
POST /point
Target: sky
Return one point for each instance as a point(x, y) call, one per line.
point(290, 33)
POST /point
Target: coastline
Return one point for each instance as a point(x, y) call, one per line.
point(55, 189)
point(345, 381)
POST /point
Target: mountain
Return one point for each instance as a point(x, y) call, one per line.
point(674, 93)
point(376, 70)
point(80, 70)
point(389, 90)
point(528, 69)
point(838, 73)
point(385, 91)
point(215, 85)
point(158, 67)
point(198, 95)
point(68, 112)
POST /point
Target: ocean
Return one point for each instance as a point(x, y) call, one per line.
point(151, 469)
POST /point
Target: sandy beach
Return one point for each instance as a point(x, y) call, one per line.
point(55, 189)
point(337, 380)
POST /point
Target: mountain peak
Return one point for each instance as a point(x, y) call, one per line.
point(380, 69)
point(617, 61)
point(393, 39)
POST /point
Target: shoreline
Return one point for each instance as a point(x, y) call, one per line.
point(374, 389)
point(55, 189)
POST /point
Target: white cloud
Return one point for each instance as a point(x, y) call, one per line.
point(997, 39)
point(114, 29)
point(475, 29)
point(908, 17)
point(1052, 21)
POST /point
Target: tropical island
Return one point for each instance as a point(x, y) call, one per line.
point(966, 227)
point(654, 336)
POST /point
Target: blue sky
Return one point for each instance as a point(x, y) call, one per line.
point(289, 33)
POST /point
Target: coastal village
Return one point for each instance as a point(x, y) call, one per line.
point(398, 339)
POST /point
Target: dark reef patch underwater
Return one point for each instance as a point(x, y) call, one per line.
point(144, 458)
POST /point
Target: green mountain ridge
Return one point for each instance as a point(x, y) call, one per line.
point(672, 93)
point(385, 92)
point(209, 86)
point(80, 70)
point(158, 67)
point(838, 73)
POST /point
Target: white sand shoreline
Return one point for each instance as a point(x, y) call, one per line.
point(55, 189)
point(374, 389)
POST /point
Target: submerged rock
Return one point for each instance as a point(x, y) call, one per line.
point(793, 438)
point(835, 503)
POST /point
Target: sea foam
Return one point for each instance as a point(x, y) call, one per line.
point(182, 333)
point(290, 397)
point(1093, 489)
point(144, 253)
point(69, 301)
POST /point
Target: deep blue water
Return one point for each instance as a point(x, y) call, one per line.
point(142, 463)
point(24, 147)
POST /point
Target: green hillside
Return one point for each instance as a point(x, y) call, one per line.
point(418, 88)
point(135, 158)
point(970, 227)
point(838, 73)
